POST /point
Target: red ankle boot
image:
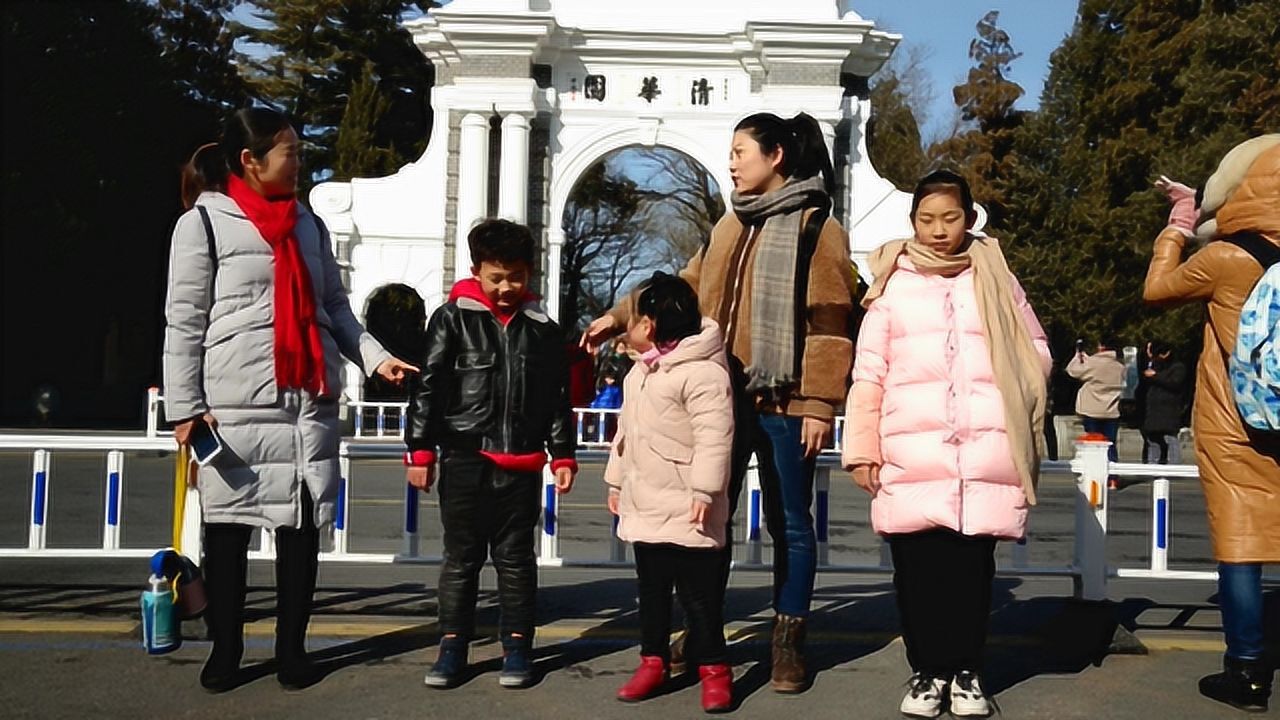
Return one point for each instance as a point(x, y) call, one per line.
point(717, 687)
point(650, 676)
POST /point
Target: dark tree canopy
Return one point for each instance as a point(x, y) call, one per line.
point(97, 121)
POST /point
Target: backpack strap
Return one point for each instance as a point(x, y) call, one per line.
point(809, 236)
point(208, 235)
point(1265, 252)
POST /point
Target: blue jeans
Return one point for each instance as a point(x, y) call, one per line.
point(1240, 597)
point(1107, 428)
point(786, 484)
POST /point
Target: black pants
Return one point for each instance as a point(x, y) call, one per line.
point(487, 512)
point(695, 575)
point(226, 547)
point(943, 582)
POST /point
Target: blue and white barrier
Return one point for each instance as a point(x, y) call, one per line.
point(343, 505)
point(410, 546)
point(39, 499)
point(549, 530)
point(114, 498)
point(1089, 568)
point(822, 513)
point(755, 516)
point(1160, 525)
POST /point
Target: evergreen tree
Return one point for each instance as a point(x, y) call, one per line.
point(306, 58)
point(198, 45)
point(355, 150)
point(96, 126)
point(984, 150)
point(893, 133)
point(1140, 88)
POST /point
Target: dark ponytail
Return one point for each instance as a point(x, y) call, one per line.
point(253, 128)
point(804, 151)
point(205, 171)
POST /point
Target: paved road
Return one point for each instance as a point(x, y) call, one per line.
point(69, 648)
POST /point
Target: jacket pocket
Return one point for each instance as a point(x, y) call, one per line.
point(473, 398)
point(672, 450)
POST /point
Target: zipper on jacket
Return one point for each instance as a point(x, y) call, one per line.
point(735, 298)
point(506, 415)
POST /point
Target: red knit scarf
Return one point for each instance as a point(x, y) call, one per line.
point(299, 351)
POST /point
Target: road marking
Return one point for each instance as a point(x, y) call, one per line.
point(91, 627)
point(741, 631)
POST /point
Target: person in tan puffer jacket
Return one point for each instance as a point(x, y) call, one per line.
point(1101, 377)
point(1239, 469)
point(667, 474)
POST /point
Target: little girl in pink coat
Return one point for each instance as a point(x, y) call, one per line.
point(667, 474)
point(943, 431)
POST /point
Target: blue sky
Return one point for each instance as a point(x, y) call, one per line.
point(945, 27)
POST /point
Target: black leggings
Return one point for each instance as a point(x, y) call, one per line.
point(943, 582)
point(695, 573)
point(226, 547)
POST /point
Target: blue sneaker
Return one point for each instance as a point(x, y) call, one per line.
point(517, 668)
point(452, 660)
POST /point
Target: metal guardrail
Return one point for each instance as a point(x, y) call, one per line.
point(1088, 569)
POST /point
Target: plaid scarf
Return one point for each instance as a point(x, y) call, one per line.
point(778, 213)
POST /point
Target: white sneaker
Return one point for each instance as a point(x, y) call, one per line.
point(924, 696)
point(967, 697)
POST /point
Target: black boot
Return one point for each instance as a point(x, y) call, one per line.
point(296, 563)
point(226, 548)
point(1244, 684)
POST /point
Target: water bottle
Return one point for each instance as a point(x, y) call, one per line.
point(160, 627)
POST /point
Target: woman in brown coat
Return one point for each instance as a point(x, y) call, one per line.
point(1239, 469)
point(777, 278)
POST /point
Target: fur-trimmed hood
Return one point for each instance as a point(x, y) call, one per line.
point(1244, 192)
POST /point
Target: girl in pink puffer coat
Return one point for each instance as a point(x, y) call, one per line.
point(943, 431)
point(667, 474)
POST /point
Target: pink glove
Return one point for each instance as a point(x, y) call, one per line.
point(1183, 214)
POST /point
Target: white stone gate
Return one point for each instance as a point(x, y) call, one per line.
point(531, 93)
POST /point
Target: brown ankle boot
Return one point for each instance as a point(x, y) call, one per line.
point(789, 674)
point(678, 662)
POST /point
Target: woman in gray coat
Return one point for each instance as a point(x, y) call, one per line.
point(257, 325)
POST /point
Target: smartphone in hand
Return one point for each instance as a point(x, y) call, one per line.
point(204, 442)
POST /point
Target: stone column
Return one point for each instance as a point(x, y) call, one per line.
point(555, 246)
point(473, 186)
point(513, 182)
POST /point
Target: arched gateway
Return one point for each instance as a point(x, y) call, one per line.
point(530, 93)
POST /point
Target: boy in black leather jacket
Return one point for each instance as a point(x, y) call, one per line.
point(491, 402)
